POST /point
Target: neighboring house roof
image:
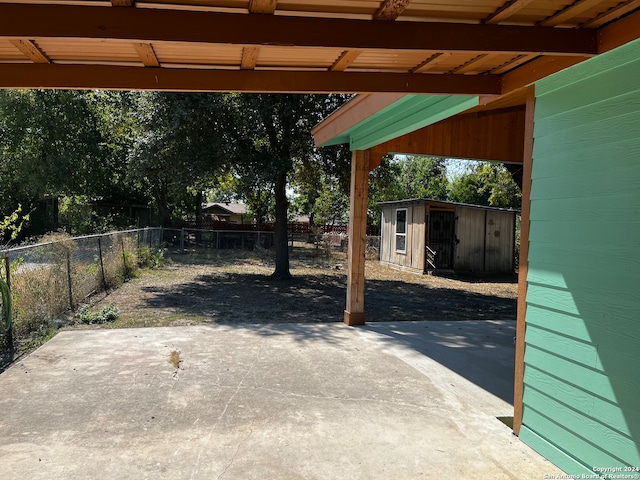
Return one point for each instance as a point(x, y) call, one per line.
point(230, 208)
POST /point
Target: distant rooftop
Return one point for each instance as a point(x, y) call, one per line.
point(231, 208)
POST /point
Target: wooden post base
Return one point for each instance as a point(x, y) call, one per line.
point(353, 319)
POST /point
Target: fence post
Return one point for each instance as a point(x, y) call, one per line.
point(104, 278)
point(7, 267)
point(69, 280)
point(182, 241)
point(9, 335)
point(124, 259)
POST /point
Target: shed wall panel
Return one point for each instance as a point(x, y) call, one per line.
point(499, 232)
point(469, 251)
point(581, 382)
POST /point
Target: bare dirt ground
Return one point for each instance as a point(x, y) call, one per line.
point(234, 287)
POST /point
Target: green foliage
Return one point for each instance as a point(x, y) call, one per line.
point(151, 257)
point(11, 225)
point(107, 314)
point(484, 183)
point(80, 218)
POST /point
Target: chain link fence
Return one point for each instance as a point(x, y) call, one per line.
point(48, 279)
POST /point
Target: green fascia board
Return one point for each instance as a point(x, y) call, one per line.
point(408, 114)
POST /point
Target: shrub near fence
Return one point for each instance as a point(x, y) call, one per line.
point(50, 278)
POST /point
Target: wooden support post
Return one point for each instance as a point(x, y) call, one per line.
point(354, 312)
point(523, 264)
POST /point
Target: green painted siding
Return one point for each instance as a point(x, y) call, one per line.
point(582, 355)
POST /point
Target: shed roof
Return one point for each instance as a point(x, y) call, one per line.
point(418, 201)
point(470, 47)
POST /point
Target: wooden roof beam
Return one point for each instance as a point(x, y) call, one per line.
point(569, 12)
point(31, 50)
point(194, 80)
point(155, 25)
point(507, 10)
point(147, 54)
point(122, 3)
point(391, 9)
point(431, 62)
point(344, 60)
point(613, 13)
point(263, 6)
point(249, 58)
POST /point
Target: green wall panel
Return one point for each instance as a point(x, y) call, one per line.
point(582, 361)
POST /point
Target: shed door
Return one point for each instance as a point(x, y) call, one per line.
point(442, 236)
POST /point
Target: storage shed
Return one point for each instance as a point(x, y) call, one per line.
point(421, 235)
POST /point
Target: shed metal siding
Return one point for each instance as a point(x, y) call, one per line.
point(581, 380)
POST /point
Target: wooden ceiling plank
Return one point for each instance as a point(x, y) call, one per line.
point(569, 12)
point(122, 3)
point(346, 58)
point(249, 58)
point(507, 10)
point(390, 9)
point(263, 6)
point(31, 50)
point(166, 79)
point(149, 26)
point(147, 54)
point(613, 13)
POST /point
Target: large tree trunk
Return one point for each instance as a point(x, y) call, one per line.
point(282, 245)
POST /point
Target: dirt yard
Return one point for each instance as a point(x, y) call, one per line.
point(234, 286)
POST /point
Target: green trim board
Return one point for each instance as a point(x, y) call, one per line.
point(581, 363)
point(406, 115)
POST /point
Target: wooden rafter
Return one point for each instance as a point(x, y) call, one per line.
point(514, 62)
point(147, 54)
point(262, 6)
point(122, 3)
point(430, 62)
point(470, 65)
point(177, 79)
point(613, 13)
point(391, 9)
point(249, 58)
point(507, 10)
point(344, 60)
point(31, 50)
point(569, 12)
point(154, 25)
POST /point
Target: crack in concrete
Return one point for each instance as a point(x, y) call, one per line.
point(233, 459)
point(223, 413)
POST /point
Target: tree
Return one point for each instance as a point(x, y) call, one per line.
point(485, 183)
point(424, 177)
point(271, 133)
point(179, 149)
point(52, 143)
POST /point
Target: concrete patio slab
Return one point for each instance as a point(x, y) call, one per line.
point(285, 401)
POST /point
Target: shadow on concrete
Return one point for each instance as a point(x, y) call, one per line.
point(480, 351)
